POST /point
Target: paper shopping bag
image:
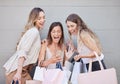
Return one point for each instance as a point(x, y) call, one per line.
point(53, 76)
point(79, 67)
point(103, 76)
point(107, 76)
point(39, 73)
point(33, 82)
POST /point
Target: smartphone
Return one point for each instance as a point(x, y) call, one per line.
point(71, 59)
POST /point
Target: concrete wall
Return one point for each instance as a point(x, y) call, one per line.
point(102, 16)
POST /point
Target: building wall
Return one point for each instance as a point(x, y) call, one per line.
point(102, 16)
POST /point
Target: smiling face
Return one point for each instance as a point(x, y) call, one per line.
point(56, 34)
point(72, 27)
point(40, 20)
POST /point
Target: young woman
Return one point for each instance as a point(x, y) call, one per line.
point(27, 49)
point(85, 42)
point(53, 47)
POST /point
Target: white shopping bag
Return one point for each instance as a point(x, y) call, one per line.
point(53, 76)
point(39, 73)
point(78, 68)
point(67, 74)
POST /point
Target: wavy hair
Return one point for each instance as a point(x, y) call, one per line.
point(83, 27)
point(49, 38)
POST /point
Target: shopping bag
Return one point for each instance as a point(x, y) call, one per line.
point(79, 67)
point(69, 65)
point(39, 73)
point(33, 82)
point(67, 74)
point(53, 76)
point(103, 76)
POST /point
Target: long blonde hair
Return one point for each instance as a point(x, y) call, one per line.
point(33, 16)
point(82, 27)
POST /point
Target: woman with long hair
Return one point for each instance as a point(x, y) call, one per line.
point(84, 41)
point(27, 52)
point(54, 50)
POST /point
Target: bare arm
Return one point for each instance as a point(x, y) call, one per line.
point(90, 43)
point(17, 76)
point(42, 51)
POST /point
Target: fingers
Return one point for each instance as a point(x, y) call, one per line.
point(18, 82)
point(55, 59)
point(76, 58)
point(44, 41)
point(17, 78)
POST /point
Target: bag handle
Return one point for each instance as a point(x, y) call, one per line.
point(100, 63)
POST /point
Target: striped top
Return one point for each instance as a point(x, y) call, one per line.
point(28, 47)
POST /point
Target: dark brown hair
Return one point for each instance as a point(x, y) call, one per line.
point(49, 38)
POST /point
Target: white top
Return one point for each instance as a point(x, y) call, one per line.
point(28, 47)
point(49, 55)
point(83, 50)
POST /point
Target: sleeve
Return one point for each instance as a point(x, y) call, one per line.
point(89, 41)
point(26, 42)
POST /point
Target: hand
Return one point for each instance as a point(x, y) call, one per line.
point(71, 45)
point(69, 52)
point(55, 59)
point(44, 41)
point(77, 57)
point(17, 77)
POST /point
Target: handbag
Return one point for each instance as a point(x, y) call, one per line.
point(103, 76)
point(33, 82)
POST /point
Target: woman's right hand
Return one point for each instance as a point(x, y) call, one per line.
point(55, 59)
point(17, 77)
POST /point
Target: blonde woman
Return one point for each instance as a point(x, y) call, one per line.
point(27, 49)
point(85, 42)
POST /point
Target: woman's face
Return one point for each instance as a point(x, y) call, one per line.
point(41, 20)
point(56, 34)
point(72, 27)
